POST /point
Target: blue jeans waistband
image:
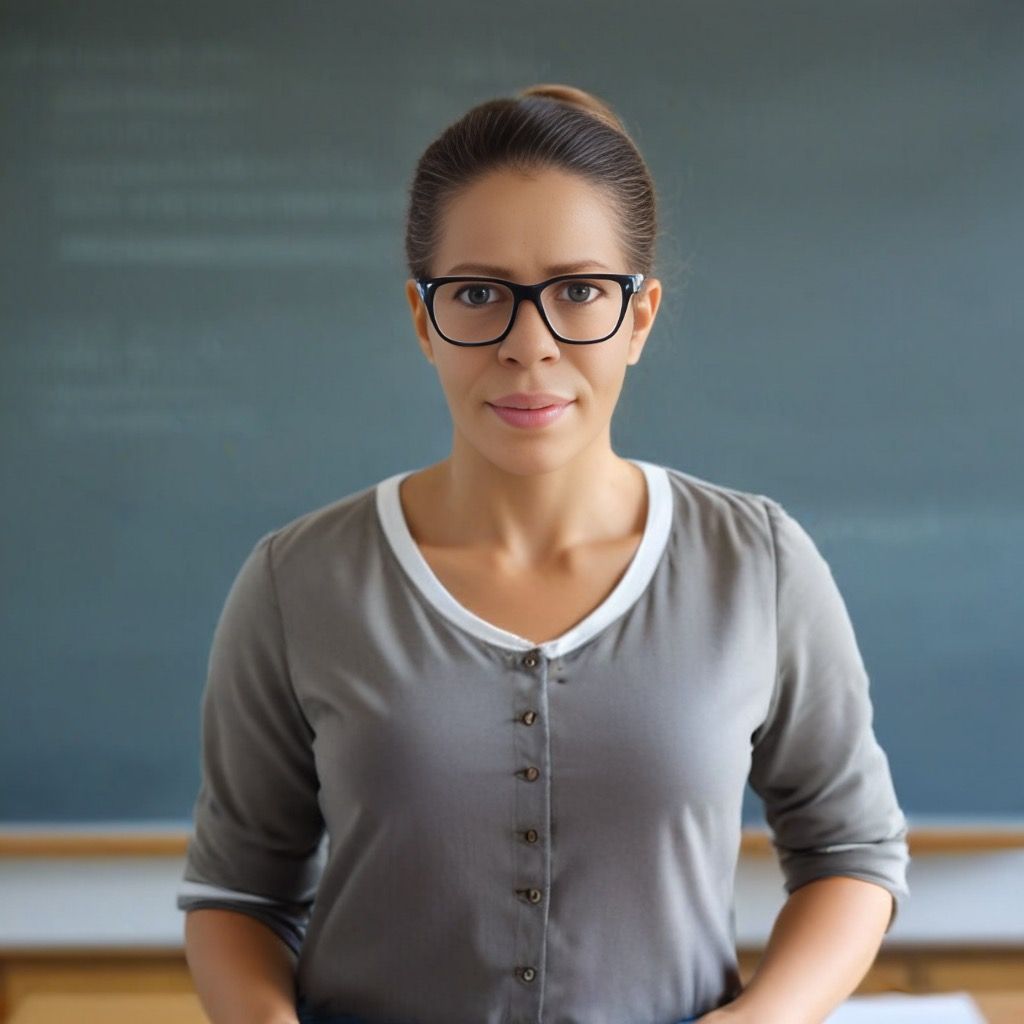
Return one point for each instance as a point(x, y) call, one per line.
point(307, 1016)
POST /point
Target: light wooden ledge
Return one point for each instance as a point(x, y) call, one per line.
point(754, 842)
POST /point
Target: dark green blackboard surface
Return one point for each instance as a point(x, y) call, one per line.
point(203, 333)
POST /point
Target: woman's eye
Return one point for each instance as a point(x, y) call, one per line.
point(581, 291)
point(478, 293)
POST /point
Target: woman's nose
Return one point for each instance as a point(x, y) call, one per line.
point(528, 333)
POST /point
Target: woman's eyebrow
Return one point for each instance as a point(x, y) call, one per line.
point(552, 271)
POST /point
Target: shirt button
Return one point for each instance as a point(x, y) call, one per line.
point(531, 773)
point(526, 973)
point(528, 717)
point(533, 895)
point(530, 835)
point(530, 660)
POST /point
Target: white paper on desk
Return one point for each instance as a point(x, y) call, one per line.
point(899, 1008)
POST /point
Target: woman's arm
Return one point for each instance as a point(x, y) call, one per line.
point(258, 833)
point(824, 940)
point(242, 971)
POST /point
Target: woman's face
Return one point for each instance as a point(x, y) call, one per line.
point(526, 229)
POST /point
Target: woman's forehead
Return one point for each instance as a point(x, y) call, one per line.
point(547, 220)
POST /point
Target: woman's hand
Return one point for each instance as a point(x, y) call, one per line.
point(732, 1013)
point(822, 943)
point(737, 1012)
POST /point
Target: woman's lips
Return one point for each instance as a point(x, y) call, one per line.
point(530, 417)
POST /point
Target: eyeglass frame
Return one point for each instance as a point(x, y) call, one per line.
point(427, 287)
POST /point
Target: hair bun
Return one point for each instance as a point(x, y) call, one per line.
point(572, 96)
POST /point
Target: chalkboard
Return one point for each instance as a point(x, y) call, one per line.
point(204, 333)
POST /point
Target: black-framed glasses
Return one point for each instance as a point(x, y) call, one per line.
point(579, 309)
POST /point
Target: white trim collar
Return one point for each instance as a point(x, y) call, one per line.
point(629, 588)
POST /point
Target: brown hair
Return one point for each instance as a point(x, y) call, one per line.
point(557, 126)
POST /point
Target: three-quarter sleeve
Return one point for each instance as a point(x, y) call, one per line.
point(256, 842)
point(823, 777)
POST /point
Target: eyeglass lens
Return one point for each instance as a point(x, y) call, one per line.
point(479, 311)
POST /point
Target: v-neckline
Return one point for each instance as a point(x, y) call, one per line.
point(631, 585)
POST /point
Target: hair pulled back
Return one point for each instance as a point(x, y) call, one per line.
point(542, 126)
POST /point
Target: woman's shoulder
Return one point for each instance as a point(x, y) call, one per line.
point(337, 533)
point(740, 520)
point(714, 501)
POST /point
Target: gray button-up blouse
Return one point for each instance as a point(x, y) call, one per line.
point(451, 824)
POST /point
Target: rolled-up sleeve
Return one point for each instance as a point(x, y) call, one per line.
point(824, 779)
point(256, 844)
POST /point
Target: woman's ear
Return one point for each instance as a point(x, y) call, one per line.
point(645, 309)
point(420, 318)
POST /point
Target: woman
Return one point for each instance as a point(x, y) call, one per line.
point(520, 691)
